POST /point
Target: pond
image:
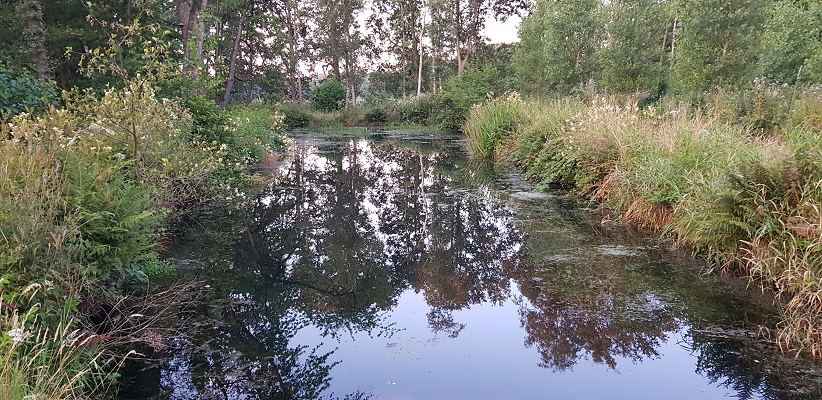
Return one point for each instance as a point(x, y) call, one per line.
point(393, 267)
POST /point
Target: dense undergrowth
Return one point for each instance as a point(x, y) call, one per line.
point(445, 110)
point(735, 176)
point(86, 192)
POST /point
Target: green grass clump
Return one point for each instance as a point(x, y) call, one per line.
point(489, 122)
point(49, 362)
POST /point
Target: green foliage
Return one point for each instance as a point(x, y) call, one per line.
point(559, 41)
point(376, 115)
point(21, 92)
point(554, 146)
point(116, 226)
point(718, 43)
point(634, 59)
point(461, 93)
point(209, 121)
point(418, 110)
point(492, 122)
point(792, 48)
point(296, 116)
point(328, 96)
point(256, 131)
point(155, 269)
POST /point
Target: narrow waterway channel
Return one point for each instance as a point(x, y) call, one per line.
point(392, 267)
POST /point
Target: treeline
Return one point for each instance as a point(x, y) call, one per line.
point(239, 50)
point(630, 45)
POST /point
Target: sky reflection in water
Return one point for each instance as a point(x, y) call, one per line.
point(393, 269)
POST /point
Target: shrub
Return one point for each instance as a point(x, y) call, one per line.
point(418, 110)
point(376, 115)
point(257, 132)
point(328, 96)
point(116, 228)
point(21, 92)
point(295, 116)
point(460, 93)
point(209, 121)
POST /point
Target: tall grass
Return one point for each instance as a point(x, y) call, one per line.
point(741, 186)
point(48, 361)
point(490, 121)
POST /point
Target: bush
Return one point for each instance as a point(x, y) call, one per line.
point(257, 132)
point(418, 110)
point(209, 121)
point(116, 227)
point(376, 115)
point(21, 92)
point(295, 116)
point(328, 96)
point(460, 93)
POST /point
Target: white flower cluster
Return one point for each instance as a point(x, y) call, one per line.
point(17, 335)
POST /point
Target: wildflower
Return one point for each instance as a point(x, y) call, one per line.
point(17, 335)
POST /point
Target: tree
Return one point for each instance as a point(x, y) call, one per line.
point(792, 42)
point(34, 40)
point(717, 42)
point(232, 63)
point(338, 41)
point(328, 96)
point(558, 45)
point(635, 53)
point(464, 21)
point(399, 24)
point(292, 15)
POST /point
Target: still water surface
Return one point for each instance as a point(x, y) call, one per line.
point(394, 268)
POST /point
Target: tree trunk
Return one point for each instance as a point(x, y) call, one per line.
point(232, 65)
point(201, 32)
point(295, 92)
point(185, 14)
point(673, 42)
point(32, 10)
point(421, 49)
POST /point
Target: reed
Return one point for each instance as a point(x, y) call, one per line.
point(490, 121)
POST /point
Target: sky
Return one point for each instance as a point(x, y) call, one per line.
point(500, 32)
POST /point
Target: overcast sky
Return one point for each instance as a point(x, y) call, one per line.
point(500, 32)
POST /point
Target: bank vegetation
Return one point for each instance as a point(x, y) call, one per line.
point(735, 176)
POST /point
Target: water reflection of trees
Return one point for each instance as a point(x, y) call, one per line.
point(352, 230)
point(344, 229)
point(334, 240)
point(601, 320)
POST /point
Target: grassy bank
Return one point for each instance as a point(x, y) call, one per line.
point(737, 177)
point(85, 195)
